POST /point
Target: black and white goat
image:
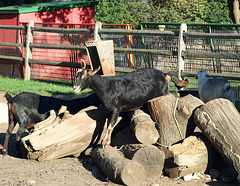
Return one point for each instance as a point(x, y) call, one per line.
point(123, 93)
point(27, 109)
point(211, 88)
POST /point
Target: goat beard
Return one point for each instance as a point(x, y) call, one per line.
point(77, 89)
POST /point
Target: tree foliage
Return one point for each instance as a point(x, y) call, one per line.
point(134, 11)
point(122, 11)
point(208, 11)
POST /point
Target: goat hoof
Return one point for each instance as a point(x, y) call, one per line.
point(105, 143)
point(4, 152)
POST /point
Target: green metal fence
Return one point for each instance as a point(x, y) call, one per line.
point(210, 47)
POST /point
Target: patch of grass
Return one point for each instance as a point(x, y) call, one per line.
point(52, 87)
point(16, 86)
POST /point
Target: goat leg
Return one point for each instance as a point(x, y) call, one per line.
point(107, 140)
point(12, 124)
point(5, 146)
point(18, 141)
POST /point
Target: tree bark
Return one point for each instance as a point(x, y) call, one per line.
point(123, 137)
point(149, 156)
point(144, 128)
point(70, 137)
point(219, 121)
point(117, 168)
point(187, 157)
point(45, 122)
point(173, 117)
point(236, 12)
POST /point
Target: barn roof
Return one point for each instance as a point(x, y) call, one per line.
point(27, 8)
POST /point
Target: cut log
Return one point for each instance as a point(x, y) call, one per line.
point(219, 121)
point(149, 156)
point(70, 137)
point(75, 146)
point(123, 137)
point(117, 168)
point(173, 117)
point(45, 122)
point(188, 157)
point(144, 128)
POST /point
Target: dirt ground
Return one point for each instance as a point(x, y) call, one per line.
point(66, 171)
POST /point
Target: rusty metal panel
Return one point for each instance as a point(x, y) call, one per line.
point(101, 53)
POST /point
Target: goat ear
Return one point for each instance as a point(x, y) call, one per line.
point(207, 75)
point(83, 63)
point(91, 73)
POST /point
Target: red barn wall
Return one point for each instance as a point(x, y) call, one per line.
point(54, 18)
point(10, 68)
point(69, 16)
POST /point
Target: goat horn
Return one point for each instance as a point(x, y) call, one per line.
point(94, 71)
point(83, 62)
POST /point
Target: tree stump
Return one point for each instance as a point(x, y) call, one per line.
point(219, 121)
point(117, 168)
point(173, 117)
point(149, 156)
point(143, 127)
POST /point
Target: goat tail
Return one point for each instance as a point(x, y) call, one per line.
point(229, 93)
point(9, 98)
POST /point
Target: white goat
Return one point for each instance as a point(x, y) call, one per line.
point(211, 88)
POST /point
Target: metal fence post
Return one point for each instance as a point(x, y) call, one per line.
point(181, 47)
point(28, 51)
point(98, 25)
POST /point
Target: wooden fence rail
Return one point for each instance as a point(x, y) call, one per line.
point(100, 31)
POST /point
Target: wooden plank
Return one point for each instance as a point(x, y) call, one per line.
point(61, 47)
point(137, 32)
point(62, 30)
point(12, 44)
point(12, 58)
point(106, 56)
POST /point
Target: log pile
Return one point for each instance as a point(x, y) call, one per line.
point(150, 143)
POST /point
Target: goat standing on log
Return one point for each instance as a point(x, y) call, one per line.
point(123, 93)
point(211, 88)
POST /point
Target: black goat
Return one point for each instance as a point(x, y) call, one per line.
point(123, 93)
point(28, 108)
